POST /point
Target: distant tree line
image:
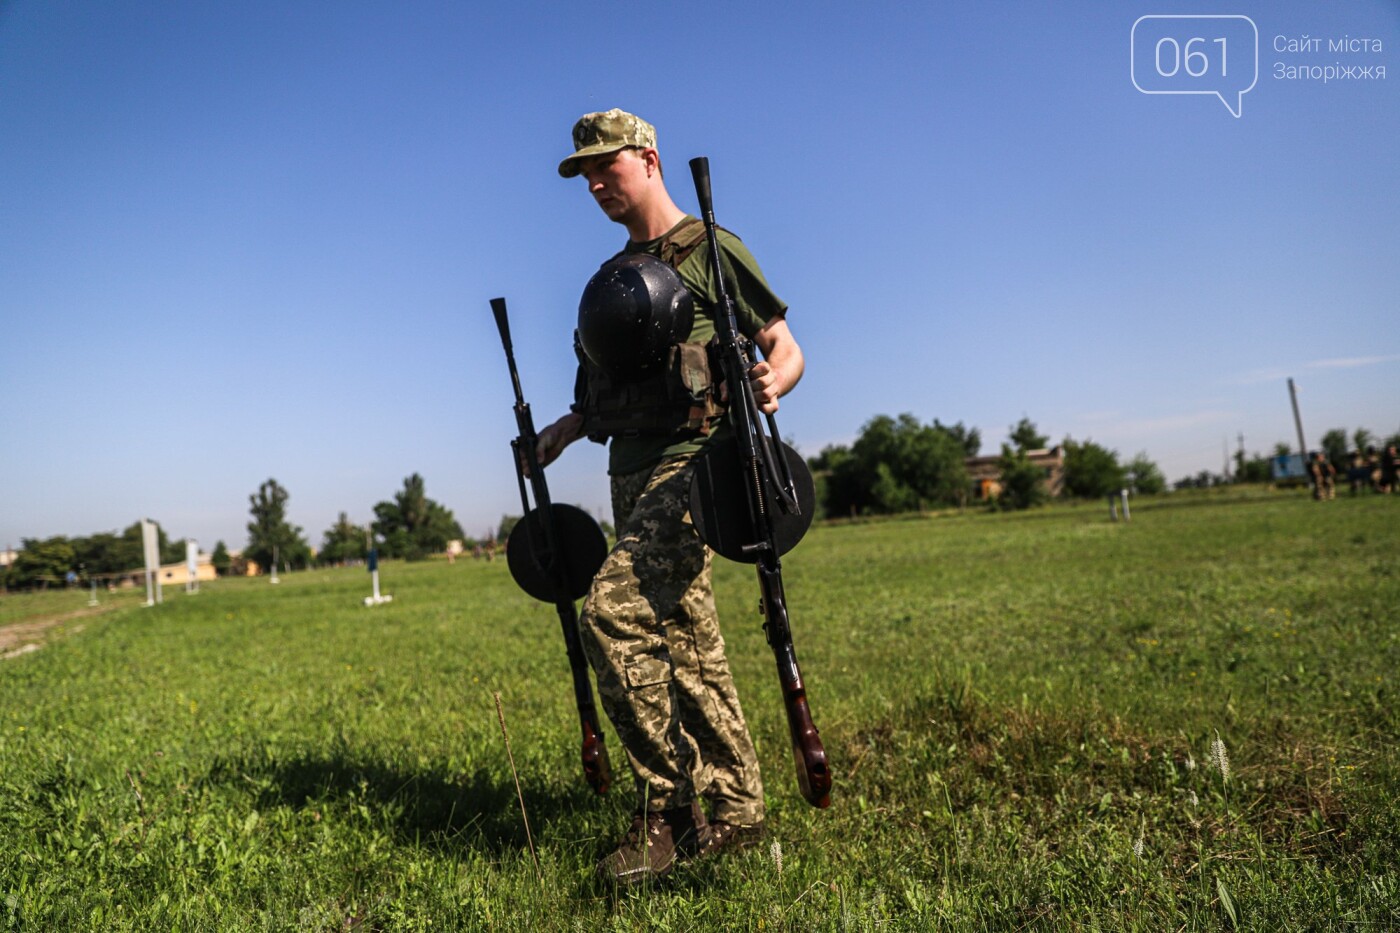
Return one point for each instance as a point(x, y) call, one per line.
point(49, 561)
point(900, 465)
point(409, 526)
point(896, 465)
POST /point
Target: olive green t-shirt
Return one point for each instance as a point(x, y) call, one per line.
point(755, 305)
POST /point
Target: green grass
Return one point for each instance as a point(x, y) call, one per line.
point(59, 602)
point(1019, 710)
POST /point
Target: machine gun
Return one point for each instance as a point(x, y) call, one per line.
point(553, 553)
point(752, 499)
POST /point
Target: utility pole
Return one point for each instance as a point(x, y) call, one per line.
point(1298, 421)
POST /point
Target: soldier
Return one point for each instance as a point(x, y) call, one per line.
point(1315, 474)
point(648, 624)
point(1390, 467)
point(1358, 473)
point(1324, 476)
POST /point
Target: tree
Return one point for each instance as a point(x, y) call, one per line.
point(270, 533)
point(131, 551)
point(412, 525)
point(1144, 478)
point(42, 561)
point(895, 465)
point(171, 551)
point(1202, 480)
point(1022, 482)
point(837, 487)
point(1334, 445)
point(1257, 469)
point(1091, 471)
point(969, 439)
point(343, 542)
point(220, 559)
point(134, 548)
point(106, 553)
point(1025, 436)
point(1362, 440)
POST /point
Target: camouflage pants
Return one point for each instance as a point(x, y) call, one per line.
point(652, 635)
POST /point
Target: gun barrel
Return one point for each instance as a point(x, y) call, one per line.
point(498, 309)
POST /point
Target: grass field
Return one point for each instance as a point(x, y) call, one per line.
point(1027, 717)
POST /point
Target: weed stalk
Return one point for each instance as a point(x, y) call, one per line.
point(529, 840)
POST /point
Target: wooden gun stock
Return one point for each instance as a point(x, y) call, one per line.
point(808, 753)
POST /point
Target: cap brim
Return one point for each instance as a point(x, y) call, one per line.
point(569, 168)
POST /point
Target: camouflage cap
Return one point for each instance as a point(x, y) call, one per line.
point(609, 131)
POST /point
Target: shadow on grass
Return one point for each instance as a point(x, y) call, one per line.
point(477, 811)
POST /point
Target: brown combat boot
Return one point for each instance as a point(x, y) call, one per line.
point(722, 838)
point(653, 844)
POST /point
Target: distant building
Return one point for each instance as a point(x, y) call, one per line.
point(7, 557)
point(180, 573)
point(240, 566)
point(167, 574)
point(985, 472)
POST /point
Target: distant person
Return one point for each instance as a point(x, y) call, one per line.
point(1357, 471)
point(1324, 476)
point(1390, 469)
point(1314, 475)
point(649, 624)
point(1373, 469)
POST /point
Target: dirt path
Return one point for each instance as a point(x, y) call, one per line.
point(19, 638)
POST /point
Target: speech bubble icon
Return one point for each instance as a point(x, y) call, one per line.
point(1207, 54)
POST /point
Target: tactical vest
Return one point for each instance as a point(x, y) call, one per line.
point(681, 399)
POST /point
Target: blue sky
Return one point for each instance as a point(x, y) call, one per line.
point(259, 239)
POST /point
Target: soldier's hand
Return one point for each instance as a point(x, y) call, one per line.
point(767, 384)
point(553, 440)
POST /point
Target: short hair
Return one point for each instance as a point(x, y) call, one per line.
point(642, 149)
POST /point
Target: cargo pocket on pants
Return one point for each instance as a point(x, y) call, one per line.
point(648, 670)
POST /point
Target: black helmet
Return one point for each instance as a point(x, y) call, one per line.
point(632, 311)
